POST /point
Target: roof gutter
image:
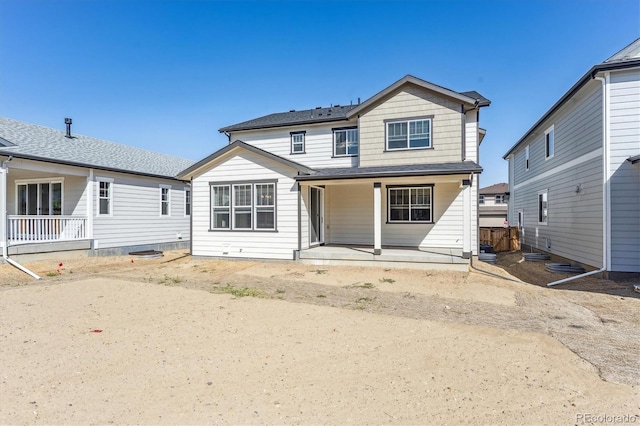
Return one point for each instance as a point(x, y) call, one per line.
point(384, 175)
point(589, 76)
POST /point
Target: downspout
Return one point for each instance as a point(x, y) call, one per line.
point(605, 185)
point(3, 216)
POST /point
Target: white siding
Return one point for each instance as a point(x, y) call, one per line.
point(136, 218)
point(625, 177)
point(318, 144)
point(471, 136)
point(349, 216)
point(246, 166)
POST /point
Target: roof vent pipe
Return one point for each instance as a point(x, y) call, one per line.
point(68, 122)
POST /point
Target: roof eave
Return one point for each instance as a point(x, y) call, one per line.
point(387, 174)
point(85, 165)
point(572, 91)
point(273, 126)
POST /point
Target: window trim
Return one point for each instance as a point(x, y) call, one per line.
point(344, 129)
point(187, 201)
point(481, 199)
point(544, 192)
point(410, 187)
point(428, 118)
point(304, 142)
point(550, 131)
point(110, 181)
point(253, 183)
point(38, 182)
point(168, 188)
point(500, 197)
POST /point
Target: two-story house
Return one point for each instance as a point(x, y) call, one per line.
point(574, 177)
point(493, 205)
point(397, 170)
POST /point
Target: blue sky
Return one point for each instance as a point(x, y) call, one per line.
point(165, 75)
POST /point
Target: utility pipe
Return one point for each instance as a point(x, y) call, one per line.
point(605, 186)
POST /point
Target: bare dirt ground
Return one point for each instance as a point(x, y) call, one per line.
point(180, 343)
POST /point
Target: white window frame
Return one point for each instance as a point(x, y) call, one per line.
point(220, 208)
point(188, 204)
point(542, 197)
point(499, 199)
point(526, 157)
point(298, 139)
point(549, 141)
point(254, 207)
point(408, 135)
point(410, 188)
point(167, 201)
point(38, 182)
point(100, 180)
point(481, 199)
point(352, 148)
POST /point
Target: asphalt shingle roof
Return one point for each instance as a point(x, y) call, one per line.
point(316, 115)
point(36, 142)
point(393, 171)
point(498, 188)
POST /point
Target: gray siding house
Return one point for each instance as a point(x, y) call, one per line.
point(574, 177)
point(61, 191)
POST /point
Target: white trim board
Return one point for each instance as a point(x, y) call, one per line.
point(576, 161)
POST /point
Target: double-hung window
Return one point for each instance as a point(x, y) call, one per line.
point(187, 201)
point(549, 142)
point(345, 142)
point(410, 204)
point(165, 200)
point(297, 142)
point(481, 199)
point(243, 206)
point(105, 197)
point(409, 134)
point(526, 157)
point(543, 208)
point(499, 199)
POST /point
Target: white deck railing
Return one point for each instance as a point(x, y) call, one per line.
point(45, 229)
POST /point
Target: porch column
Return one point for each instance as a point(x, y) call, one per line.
point(3, 209)
point(377, 218)
point(90, 205)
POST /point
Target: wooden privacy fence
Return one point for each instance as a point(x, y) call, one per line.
point(502, 239)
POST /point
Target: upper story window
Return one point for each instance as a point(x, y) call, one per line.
point(297, 142)
point(549, 142)
point(481, 199)
point(345, 142)
point(165, 200)
point(409, 134)
point(526, 157)
point(499, 199)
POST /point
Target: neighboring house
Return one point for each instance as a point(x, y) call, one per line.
point(574, 177)
point(398, 170)
point(492, 203)
point(62, 191)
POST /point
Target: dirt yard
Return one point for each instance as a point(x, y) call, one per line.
point(192, 341)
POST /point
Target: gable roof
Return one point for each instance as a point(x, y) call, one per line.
point(34, 142)
point(498, 188)
point(238, 144)
point(347, 112)
point(470, 98)
point(628, 57)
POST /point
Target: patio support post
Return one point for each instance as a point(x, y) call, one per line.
point(377, 218)
point(466, 224)
point(3, 209)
